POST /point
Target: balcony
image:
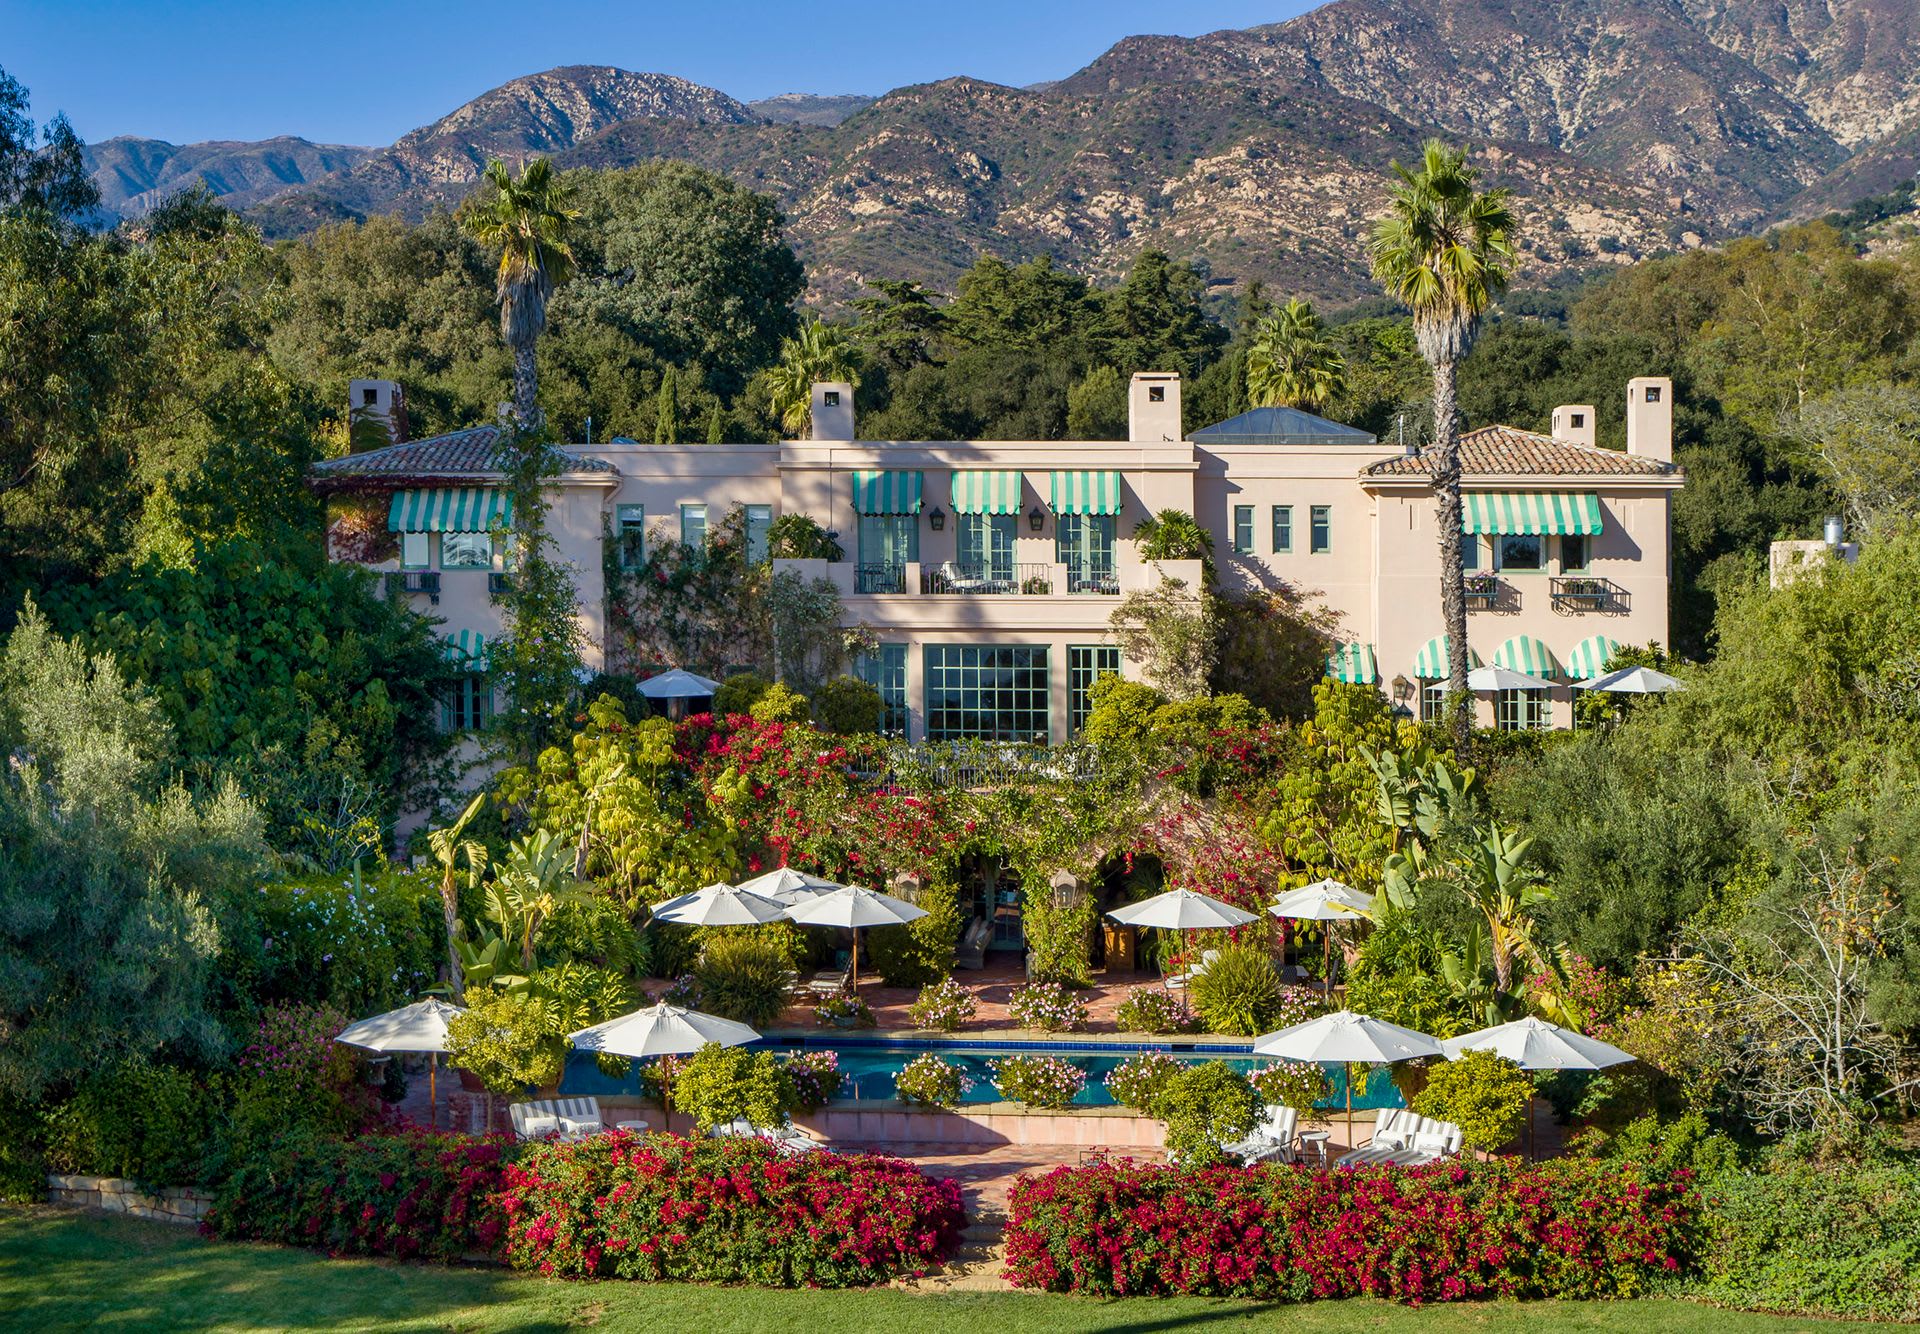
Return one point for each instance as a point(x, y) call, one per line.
point(879, 578)
point(1033, 580)
point(1486, 592)
point(1099, 580)
point(1582, 593)
point(405, 583)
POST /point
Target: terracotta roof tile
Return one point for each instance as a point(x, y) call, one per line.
point(473, 451)
point(1506, 451)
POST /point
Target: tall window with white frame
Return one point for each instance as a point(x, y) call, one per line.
point(415, 551)
point(1433, 701)
point(1521, 710)
point(630, 535)
point(1087, 663)
point(693, 526)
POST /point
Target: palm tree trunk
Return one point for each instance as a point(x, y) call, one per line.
point(450, 909)
point(525, 383)
point(1453, 588)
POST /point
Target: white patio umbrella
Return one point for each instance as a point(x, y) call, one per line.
point(1504, 678)
point(1633, 681)
point(854, 907)
point(1323, 901)
point(421, 1026)
point(788, 886)
point(661, 1030)
point(1347, 1037)
point(720, 905)
point(1183, 910)
point(1535, 1044)
point(677, 683)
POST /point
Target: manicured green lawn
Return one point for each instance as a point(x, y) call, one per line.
point(64, 1270)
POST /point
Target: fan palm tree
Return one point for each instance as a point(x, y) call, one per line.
point(1291, 362)
point(1443, 249)
point(819, 353)
point(449, 850)
point(528, 220)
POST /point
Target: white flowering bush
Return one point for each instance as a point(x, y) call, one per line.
point(943, 1007)
point(1048, 1006)
point(357, 943)
point(1138, 1081)
point(1038, 1081)
point(931, 1081)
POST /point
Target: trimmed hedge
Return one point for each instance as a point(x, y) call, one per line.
point(1816, 1239)
point(411, 1196)
point(1452, 1231)
point(725, 1210)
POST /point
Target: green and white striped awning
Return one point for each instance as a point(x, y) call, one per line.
point(460, 509)
point(1352, 664)
point(467, 650)
point(1086, 493)
point(1430, 663)
point(1530, 512)
point(886, 492)
point(1589, 657)
point(1524, 653)
point(986, 493)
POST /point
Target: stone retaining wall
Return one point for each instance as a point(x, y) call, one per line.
point(172, 1204)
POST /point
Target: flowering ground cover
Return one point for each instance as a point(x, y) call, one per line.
point(62, 1269)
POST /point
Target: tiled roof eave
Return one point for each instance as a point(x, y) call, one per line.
point(342, 480)
point(1507, 481)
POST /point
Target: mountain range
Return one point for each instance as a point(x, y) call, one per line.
point(1624, 127)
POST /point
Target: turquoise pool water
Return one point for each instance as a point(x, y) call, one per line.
point(869, 1066)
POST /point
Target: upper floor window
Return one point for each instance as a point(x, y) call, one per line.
point(759, 519)
point(1521, 551)
point(415, 551)
point(986, 545)
point(1243, 529)
point(693, 526)
point(1320, 536)
point(466, 551)
point(1084, 544)
point(630, 532)
point(1575, 553)
point(1282, 528)
point(1469, 552)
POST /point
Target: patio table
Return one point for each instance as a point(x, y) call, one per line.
point(635, 1126)
point(1313, 1146)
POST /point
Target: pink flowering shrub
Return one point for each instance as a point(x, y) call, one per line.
point(1568, 1229)
point(1048, 1006)
point(410, 1196)
point(724, 1211)
point(1038, 1081)
point(292, 1075)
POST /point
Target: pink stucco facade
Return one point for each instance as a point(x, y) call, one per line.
point(1360, 519)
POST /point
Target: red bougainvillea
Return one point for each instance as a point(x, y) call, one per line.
point(1451, 1231)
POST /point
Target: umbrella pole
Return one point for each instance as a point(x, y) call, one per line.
point(1350, 1144)
point(1326, 961)
point(433, 1092)
point(856, 962)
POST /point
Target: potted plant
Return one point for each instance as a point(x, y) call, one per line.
point(844, 1011)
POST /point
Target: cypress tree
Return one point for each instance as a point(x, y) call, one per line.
point(666, 428)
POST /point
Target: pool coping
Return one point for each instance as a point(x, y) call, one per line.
point(1001, 1038)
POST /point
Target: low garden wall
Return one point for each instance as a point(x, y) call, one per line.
point(169, 1204)
point(986, 1124)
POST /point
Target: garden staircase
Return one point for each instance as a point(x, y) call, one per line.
point(976, 1266)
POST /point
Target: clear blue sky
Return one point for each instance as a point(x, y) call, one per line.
point(365, 72)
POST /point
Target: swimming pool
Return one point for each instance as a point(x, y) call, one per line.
point(869, 1065)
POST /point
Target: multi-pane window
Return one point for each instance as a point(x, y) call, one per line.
point(414, 551)
point(889, 539)
point(1522, 551)
point(1320, 534)
point(885, 669)
point(996, 692)
point(1521, 710)
point(1084, 544)
point(466, 551)
point(1087, 663)
point(1573, 553)
point(759, 519)
point(1469, 552)
point(1282, 528)
point(467, 705)
point(1243, 529)
point(1433, 701)
point(693, 526)
point(986, 545)
point(630, 534)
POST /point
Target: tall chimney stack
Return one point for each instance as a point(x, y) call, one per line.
point(376, 414)
point(1153, 407)
point(1650, 418)
point(1573, 423)
point(832, 411)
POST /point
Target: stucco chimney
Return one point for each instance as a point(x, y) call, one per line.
point(1153, 407)
point(376, 409)
point(1573, 423)
point(832, 411)
point(1650, 418)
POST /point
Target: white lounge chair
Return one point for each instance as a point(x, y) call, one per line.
point(1180, 981)
point(788, 1138)
point(1271, 1140)
point(562, 1118)
point(1402, 1138)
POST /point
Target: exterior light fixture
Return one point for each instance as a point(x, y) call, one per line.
point(1036, 518)
point(1402, 688)
point(936, 518)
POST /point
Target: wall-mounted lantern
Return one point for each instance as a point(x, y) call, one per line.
point(1036, 518)
point(1402, 689)
point(1067, 892)
point(936, 518)
point(907, 885)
